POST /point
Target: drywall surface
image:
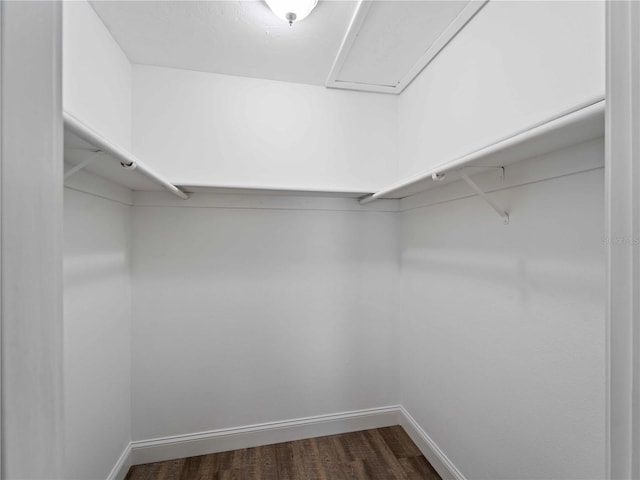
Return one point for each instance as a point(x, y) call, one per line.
point(502, 329)
point(244, 316)
point(515, 64)
point(96, 74)
point(31, 239)
point(97, 334)
point(204, 128)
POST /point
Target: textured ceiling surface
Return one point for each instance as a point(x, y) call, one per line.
point(230, 37)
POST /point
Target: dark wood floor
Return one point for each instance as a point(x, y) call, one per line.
point(379, 454)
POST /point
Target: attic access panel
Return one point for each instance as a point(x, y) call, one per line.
point(388, 43)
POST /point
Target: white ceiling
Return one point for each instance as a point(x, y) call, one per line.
point(231, 37)
point(244, 38)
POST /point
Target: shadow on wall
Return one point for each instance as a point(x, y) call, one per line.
point(516, 275)
point(97, 267)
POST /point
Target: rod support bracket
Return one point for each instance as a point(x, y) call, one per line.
point(76, 168)
point(501, 171)
point(492, 203)
point(128, 166)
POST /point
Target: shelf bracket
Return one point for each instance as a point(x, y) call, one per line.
point(499, 210)
point(483, 167)
point(81, 165)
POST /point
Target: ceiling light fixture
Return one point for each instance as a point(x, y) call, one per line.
point(292, 10)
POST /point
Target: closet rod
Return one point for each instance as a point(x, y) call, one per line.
point(126, 159)
point(574, 115)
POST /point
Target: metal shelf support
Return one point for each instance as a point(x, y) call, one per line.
point(474, 186)
point(81, 165)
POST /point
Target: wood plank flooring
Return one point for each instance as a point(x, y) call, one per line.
point(378, 454)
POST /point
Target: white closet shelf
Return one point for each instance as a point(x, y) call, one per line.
point(276, 190)
point(86, 148)
point(580, 124)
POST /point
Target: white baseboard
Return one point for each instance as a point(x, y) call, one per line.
point(429, 449)
point(179, 446)
point(167, 448)
point(122, 466)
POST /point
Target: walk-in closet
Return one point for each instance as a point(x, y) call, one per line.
point(320, 239)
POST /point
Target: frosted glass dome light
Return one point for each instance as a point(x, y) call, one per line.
point(292, 10)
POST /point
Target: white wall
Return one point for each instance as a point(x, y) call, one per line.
point(31, 239)
point(502, 328)
point(97, 74)
point(97, 334)
point(243, 316)
point(515, 64)
point(97, 290)
point(224, 130)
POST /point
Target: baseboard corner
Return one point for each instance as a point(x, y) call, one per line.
point(436, 457)
point(121, 468)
